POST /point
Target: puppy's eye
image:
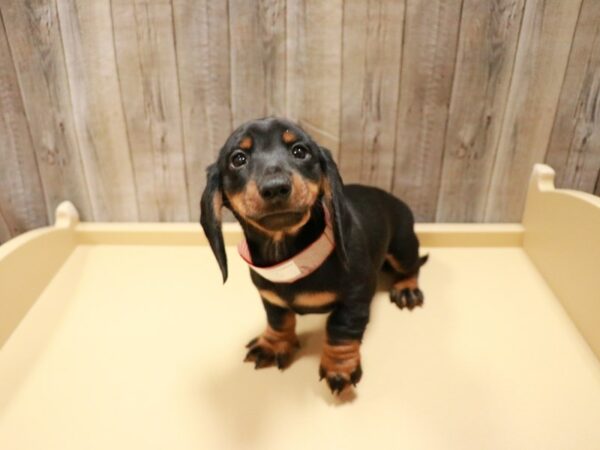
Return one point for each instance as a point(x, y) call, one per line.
point(238, 159)
point(300, 152)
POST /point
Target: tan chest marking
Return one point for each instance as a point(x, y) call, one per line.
point(315, 299)
point(305, 300)
point(272, 298)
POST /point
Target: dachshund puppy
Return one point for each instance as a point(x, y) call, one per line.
point(313, 245)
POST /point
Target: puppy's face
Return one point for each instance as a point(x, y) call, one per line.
point(271, 175)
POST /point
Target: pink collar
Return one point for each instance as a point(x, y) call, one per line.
point(299, 266)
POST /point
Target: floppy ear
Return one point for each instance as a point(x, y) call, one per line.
point(210, 216)
point(333, 194)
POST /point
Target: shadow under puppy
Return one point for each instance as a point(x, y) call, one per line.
point(313, 245)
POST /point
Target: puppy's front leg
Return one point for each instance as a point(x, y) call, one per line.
point(340, 361)
point(278, 342)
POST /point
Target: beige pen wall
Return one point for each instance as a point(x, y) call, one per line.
point(119, 105)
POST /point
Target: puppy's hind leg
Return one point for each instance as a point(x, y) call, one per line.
point(403, 257)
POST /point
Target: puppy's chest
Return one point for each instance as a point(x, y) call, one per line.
point(305, 300)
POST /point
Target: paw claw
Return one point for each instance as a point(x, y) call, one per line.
point(282, 360)
point(264, 353)
point(322, 373)
point(263, 362)
point(407, 298)
point(337, 383)
point(419, 296)
point(356, 375)
point(252, 354)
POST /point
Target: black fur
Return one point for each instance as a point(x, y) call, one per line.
point(368, 225)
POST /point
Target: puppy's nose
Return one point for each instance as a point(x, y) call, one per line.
point(276, 188)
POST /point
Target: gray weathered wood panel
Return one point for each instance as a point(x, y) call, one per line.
point(87, 36)
point(372, 54)
point(574, 149)
point(147, 71)
point(5, 232)
point(120, 105)
point(34, 34)
point(430, 41)
point(542, 55)
point(22, 202)
point(202, 45)
point(258, 58)
point(486, 53)
point(314, 57)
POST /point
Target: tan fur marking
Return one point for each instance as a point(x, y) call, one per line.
point(249, 203)
point(394, 263)
point(289, 137)
point(237, 203)
point(315, 299)
point(304, 192)
point(272, 297)
point(410, 283)
point(246, 143)
point(326, 185)
point(282, 341)
point(293, 230)
point(342, 359)
point(313, 188)
point(274, 235)
point(327, 193)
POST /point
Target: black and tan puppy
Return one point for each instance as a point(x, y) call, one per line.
point(313, 244)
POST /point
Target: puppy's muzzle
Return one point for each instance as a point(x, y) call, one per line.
point(275, 188)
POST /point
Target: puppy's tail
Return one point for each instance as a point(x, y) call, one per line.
point(423, 260)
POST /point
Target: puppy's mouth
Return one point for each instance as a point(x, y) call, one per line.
point(281, 220)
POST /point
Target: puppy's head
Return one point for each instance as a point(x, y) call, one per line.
point(270, 173)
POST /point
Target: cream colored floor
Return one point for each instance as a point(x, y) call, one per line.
point(142, 348)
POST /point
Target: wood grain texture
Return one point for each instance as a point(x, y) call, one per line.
point(542, 55)
point(22, 202)
point(120, 105)
point(574, 148)
point(5, 233)
point(486, 53)
point(146, 63)
point(34, 35)
point(202, 44)
point(430, 40)
point(258, 58)
point(89, 53)
point(313, 73)
point(372, 53)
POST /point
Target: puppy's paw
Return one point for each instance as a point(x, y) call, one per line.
point(406, 294)
point(340, 365)
point(270, 349)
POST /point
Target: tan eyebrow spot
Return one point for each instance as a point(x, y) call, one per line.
point(246, 143)
point(289, 137)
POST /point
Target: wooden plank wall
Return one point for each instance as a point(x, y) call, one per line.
point(119, 105)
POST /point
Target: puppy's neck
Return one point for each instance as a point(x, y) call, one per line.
point(270, 249)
